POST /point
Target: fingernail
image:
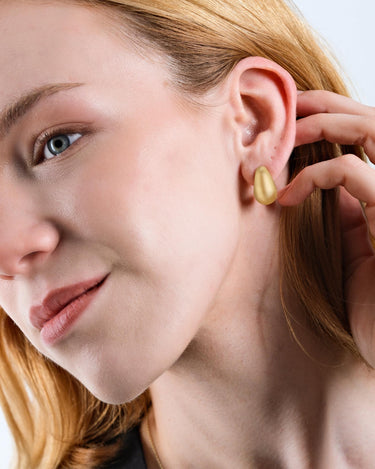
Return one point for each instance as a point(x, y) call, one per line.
point(300, 92)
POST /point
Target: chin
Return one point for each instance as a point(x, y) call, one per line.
point(115, 398)
point(111, 392)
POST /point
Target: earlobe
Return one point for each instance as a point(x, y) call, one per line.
point(263, 99)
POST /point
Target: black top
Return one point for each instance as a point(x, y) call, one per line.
point(131, 455)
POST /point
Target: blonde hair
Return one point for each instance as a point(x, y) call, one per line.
point(55, 421)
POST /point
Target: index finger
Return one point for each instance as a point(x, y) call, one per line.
point(322, 102)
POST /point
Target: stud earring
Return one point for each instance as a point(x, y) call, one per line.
point(265, 191)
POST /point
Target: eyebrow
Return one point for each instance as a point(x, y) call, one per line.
point(17, 109)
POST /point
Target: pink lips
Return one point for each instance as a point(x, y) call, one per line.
point(61, 307)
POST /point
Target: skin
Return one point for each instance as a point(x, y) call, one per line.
point(158, 193)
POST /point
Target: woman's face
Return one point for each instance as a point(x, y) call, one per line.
point(131, 184)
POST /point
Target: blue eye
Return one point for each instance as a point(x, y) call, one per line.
point(58, 144)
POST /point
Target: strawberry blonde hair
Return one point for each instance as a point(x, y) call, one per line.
point(55, 421)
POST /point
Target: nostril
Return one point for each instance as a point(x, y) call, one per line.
point(32, 258)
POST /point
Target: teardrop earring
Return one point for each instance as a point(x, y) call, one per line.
point(265, 191)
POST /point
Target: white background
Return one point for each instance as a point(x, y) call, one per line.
point(348, 26)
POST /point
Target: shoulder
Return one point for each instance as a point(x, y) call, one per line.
point(131, 455)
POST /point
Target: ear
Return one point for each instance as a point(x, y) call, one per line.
point(263, 112)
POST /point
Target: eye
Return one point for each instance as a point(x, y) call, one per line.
point(58, 144)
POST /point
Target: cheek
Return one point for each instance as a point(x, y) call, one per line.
point(13, 300)
point(167, 205)
point(167, 215)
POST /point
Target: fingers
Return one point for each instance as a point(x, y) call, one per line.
point(338, 128)
point(322, 102)
point(336, 119)
point(356, 176)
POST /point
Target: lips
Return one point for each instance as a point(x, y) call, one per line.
point(59, 299)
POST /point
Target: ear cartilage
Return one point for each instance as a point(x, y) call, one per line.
point(265, 191)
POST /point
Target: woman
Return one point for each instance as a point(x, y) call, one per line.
point(155, 313)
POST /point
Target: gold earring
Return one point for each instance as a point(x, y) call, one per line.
point(265, 191)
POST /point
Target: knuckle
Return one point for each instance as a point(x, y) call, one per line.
point(322, 97)
point(351, 161)
point(371, 111)
point(368, 131)
point(368, 124)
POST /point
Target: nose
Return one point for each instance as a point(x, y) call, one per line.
point(25, 248)
point(28, 234)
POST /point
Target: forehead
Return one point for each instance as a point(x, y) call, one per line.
point(48, 42)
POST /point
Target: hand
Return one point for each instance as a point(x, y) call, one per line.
point(337, 119)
